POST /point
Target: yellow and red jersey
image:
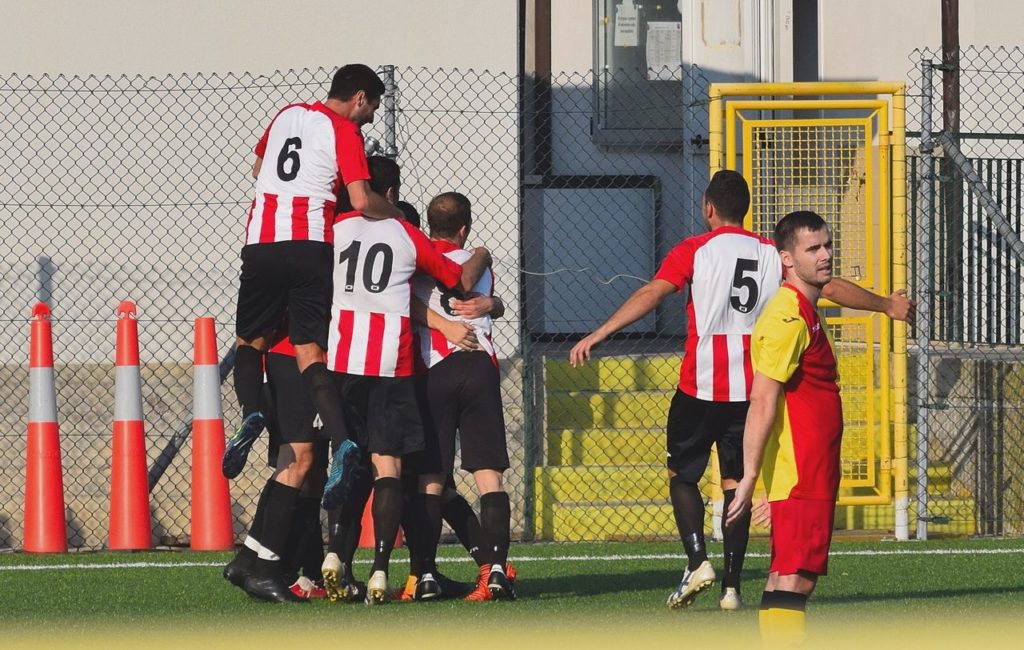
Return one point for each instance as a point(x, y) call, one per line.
point(792, 346)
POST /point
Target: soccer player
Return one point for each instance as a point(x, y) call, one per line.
point(794, 427)
point(299, 455)
point(370, 353)
point(315, 150)
point(731, 275)
point(460, 394)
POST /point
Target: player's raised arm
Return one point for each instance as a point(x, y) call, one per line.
point(641, 303)
point(371, 204)
point(896, 305)
point(474, 268)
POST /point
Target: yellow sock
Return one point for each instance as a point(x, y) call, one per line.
point(781, 628)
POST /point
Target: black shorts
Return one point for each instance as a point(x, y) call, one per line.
point(291, 416)
point(694, 424)
point(462, 395)
point(381, 414)
point(292, 277)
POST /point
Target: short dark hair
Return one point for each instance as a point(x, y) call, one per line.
point(792, 223)
point(351, 78)
point(384, 174)
point(447, 213)
point(411, 215)
point(729, 193)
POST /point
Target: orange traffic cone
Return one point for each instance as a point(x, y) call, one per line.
point(366, 538)
point(129, 487)
point(45, 522)
point(211, 503)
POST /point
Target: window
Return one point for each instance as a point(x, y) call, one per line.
point(637, 72)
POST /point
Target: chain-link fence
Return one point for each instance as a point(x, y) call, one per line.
point(136, 188)
point(114, 188)
point(966, 417)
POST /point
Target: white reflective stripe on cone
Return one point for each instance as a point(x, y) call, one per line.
point(127, 393)
point(42, 402)
point(206, 393)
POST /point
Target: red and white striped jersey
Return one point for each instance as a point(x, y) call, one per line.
point(732, 274)
point(374, 262)
point(432, 345)
point(307, 150)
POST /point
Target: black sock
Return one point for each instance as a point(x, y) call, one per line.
point(431, 508)
point(348, 520)
point(460, 516)
point(248, 376)
point(305, 543)
point(325, 398)
point(784, 600)
point(256, 527)
point(387, 512)
point(495, 516)
point(414, 523)
point(277, 523)
point(735, 540)
point(688, 507)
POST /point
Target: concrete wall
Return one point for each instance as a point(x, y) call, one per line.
point(157, 37)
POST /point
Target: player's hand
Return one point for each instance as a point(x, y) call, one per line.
point(580, 352)
point(474, 306)
point(460, 335)
point(900, 307)
point(761, 513)
point(741, 501)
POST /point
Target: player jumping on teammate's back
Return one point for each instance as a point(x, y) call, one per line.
point(460, 394)
point(795, 370)
point(371, 355)
point(314, 151)
point(731, 275)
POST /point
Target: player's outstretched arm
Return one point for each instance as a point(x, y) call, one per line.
point(459, 334)
point(764, 399)
point(256, 166)
point(844, 293)
point(371, 204)
point(643, 300)
point(473, 268)
point(475, 306)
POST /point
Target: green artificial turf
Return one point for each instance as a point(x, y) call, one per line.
point(619, 596)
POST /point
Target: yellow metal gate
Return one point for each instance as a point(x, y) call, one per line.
point(839, 158)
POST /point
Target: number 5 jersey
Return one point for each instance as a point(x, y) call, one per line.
point(732, 274)
point(374, 262)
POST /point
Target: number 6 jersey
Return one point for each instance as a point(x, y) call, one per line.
point(374, 262)
point(306, 150)
point(732, 274)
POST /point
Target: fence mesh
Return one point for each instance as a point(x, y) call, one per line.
point(131, 187)
point(973, 363)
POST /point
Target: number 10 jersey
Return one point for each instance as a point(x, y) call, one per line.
point(732, 274)
point(374, 262)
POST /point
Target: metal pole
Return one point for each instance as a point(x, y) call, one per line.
point(898, 384)
point(390, 113)
point(923, 292)
point(181, 434)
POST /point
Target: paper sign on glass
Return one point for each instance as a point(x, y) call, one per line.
point(626, 24)
point(664, 51)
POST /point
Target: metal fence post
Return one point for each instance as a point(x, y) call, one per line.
point(923, 292)
point(390, 113)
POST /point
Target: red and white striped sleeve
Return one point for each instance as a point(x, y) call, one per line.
point(677, 268)
point(431, 261)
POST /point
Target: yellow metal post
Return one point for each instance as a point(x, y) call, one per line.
point(899, 281)
point(715, 129)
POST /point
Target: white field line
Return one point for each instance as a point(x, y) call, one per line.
point(527, 558)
